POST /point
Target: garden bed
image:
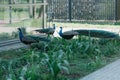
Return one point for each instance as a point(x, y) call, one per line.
point(58, 60)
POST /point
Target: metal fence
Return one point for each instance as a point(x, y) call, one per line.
point(73, 10)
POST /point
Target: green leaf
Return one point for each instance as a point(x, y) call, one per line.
point(66, 62)
point(65, 69)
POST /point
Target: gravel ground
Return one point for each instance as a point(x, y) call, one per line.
point(115, 29)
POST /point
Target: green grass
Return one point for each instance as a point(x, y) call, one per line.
point(5, 36)
point(27, 23)
point(77, 58)
point(15, 15)
point(20, 18)
point(8, 36)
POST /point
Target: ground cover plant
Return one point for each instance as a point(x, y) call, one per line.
point(8, 36)
point(58, 60)
point(13, 35)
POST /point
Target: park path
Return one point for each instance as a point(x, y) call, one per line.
point(13, 46)
point(109, 72)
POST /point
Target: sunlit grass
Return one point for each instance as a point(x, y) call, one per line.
point(27, 23)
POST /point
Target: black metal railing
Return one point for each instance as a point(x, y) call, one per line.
point(83, 10)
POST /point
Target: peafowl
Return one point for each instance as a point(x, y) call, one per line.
point(30, 39)
point(98, 33)
point(47, 30)
point(67, 34)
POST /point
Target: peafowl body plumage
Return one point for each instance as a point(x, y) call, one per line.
point(98, 33)
point(47, 30)
point(30, 39)
point(67, 34)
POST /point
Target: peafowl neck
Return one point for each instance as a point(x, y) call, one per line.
point(60, 32)
point(53, 26)
point(20, 35)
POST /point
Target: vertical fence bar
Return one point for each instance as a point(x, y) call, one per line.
point(70, 7)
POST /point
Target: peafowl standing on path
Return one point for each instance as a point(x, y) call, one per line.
point(67, 34)
point(47, 30)
point(30, 39)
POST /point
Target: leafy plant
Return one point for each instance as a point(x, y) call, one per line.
point(55, 63)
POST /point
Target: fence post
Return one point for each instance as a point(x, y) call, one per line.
point(70, 17)
point(44, 14)
point(30, 9)
point(33, 9)
point(10, 13)
point(116, 15)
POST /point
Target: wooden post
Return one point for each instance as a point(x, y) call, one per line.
point(30, 9)
point(10, 13)
point(33, 9)
point(44, 14)
point(70, 10)
point(116, 10)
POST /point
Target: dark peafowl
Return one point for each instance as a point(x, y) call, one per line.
point(30, 39)
point(47, 30)
point(67, 34)
point(98, 33)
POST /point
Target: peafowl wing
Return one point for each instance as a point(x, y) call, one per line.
point(47, 30)
point(28, 40)
point(40, 38)
point(69, 34)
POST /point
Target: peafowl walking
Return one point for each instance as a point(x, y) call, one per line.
point(30, 39)
point(47, 30)
point(67, 34)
